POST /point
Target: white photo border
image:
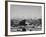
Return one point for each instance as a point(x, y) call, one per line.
point(28, 32)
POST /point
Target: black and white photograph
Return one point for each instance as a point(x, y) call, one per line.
point(25, 18)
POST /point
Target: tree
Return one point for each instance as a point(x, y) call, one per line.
point(22, 22)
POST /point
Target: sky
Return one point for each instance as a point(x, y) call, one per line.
point(25, 11)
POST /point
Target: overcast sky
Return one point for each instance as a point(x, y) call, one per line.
point(23, 11)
